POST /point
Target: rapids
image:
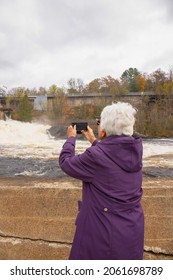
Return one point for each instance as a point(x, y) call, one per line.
point(28, 149)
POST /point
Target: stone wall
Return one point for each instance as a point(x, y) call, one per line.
point(37, 218)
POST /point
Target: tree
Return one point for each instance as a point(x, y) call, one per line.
point(33, 92)
point(25, 109)
point(94, 86)
point(141, 83)
point(156, 80)
point(110, 85)
point(55, 91)
point(168, 88)
point(131, 78)
point(52, 90)
point(170, 74)
point(159, 77)
point(104, 85)
point(75, 86)
point(42, 91)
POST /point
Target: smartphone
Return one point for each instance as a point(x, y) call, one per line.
point(80, 126)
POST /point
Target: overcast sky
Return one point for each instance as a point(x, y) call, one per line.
point(45, 42)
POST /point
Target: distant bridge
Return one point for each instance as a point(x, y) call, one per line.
point(94, 98)
point(76, 100)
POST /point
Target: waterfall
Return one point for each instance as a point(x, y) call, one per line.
point(16, 132)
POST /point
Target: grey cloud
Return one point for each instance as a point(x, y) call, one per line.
point(43, 40)
point(81, 22)
point(65, 23)
point(6, 64)
point(165, 4)
point(17, 32)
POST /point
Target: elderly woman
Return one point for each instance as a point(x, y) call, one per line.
point(110, 222)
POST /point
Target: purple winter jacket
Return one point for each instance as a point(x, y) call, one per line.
point(110, 222)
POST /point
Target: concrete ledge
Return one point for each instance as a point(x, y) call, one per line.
point(158, 209)
point(37, 218)
point(23, 249)
point(42, 210)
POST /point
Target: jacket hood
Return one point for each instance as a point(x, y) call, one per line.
point(125, 151)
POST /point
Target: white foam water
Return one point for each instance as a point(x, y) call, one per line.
point(21, 139)
point(32, 140)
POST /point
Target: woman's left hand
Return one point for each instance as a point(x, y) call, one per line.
point(89, 134)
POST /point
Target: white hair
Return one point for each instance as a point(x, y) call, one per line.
point(118, 119)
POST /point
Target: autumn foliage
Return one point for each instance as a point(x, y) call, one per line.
point(154, 118)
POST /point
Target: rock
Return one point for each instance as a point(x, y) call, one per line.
point(60, 132)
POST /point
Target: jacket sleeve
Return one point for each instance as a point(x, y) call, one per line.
point(78, 166)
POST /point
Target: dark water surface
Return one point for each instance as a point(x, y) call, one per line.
point(20, 167)
point(15, 167)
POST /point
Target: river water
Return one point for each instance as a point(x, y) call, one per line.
point(29, 150)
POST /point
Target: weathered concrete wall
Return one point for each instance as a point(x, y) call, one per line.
point(37, 218)
point(135, 100)
point(88, 99)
